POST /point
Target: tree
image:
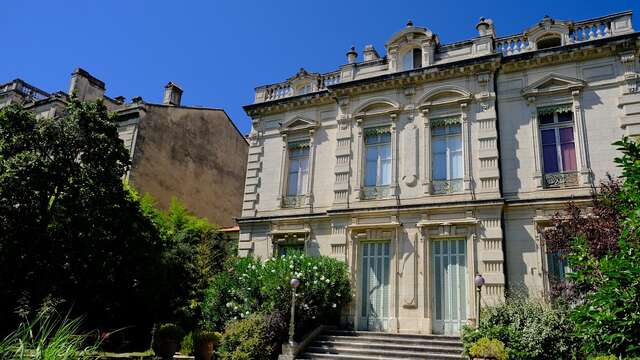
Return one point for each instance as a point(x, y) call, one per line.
point(69, 228)
point(603, 251)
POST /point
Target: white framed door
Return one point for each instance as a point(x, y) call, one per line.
point(375, 266)
point(449, 285)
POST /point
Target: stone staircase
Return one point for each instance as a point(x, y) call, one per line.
point(361, 345)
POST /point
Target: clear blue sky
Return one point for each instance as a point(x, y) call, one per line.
point(219, 51)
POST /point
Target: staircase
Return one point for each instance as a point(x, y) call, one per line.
point(361, 345)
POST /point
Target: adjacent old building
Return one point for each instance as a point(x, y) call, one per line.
point(194, 154)
point(437, 162)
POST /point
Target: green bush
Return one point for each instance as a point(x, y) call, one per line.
point(529, 329)
point(186, 346)
point(488, 348)
point(249, 285)
point(244, 340)
point(170, 331)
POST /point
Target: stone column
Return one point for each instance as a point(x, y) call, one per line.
point(312, 157)
point(581, 138)
point(537, 167)
point(466, 139)
point(426, 178)
point(394, 154)
point(358, 163)
point(283, 171)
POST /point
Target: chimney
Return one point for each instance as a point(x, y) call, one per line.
point(172, 94)
point(352, 55)
point(485, 27)
point(85, 86)
point(370, 53)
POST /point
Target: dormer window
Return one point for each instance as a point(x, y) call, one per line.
point(412, 59)
point(548, 41)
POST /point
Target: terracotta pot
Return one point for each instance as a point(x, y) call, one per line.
point(205, 350)
point(166, 348)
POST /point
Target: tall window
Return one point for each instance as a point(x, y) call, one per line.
point(412, 59)
point(298, 175)
point(378, 157)
point(446, 154)
point(557, 266)
point(558, 146)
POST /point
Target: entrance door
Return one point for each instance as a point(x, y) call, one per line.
point(449, 285)
point(374, 306)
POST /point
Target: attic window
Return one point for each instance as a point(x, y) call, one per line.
point(548, 41)
point(412, 59)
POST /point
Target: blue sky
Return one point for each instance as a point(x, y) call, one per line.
point(219, 51)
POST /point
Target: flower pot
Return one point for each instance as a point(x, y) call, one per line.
point(166, 348)
point(205, 349)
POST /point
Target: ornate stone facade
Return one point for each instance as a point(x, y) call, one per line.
point(440, 161)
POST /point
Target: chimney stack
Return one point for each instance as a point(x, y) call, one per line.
point(485, 27)
point(352, 55)
point(172, 94)
point(370, 53)
point(85, 86)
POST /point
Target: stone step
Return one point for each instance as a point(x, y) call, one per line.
point(378, 355)
point(392, 335)
point(392, 340)
point(352, 350)
point(424, 348)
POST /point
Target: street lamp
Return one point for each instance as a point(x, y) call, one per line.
point(292, 325)
point(478, 281)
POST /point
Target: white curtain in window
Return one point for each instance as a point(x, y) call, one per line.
point(298, 177)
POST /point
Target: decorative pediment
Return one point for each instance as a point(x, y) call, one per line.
point(553, 84)
point(375, 107)
point(548, 27)
point(411, 34)
point(298, 124)
point(445, 96)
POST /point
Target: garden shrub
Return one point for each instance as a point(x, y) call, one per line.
point(249, 285)
point(488, 348)
point(244, 340)
point(186, 346)
point(529, 329)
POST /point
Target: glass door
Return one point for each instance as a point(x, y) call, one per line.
point(375, 266)
point(449, 285)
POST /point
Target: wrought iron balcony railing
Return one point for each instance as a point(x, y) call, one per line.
point(560, 179)
point(375, 192)
point(446, 186)
point(294, 201)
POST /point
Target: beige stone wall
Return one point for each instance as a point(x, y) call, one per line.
point(193, 154)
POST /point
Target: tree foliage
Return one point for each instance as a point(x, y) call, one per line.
point(70, 229)
point(603, 251)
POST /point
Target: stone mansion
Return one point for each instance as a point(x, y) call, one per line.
point(437, 162)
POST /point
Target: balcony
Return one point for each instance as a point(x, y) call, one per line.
point(442, 187)
point(302, 83)
point(294, 201)
point(375, 192)
point(560, 180)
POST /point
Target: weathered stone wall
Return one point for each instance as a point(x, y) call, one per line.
point(196, 155)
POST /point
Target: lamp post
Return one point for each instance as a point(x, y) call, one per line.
point(292, 324)
point(478, 281)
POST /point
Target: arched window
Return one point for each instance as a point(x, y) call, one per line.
point(412, 59)
point(548, 41)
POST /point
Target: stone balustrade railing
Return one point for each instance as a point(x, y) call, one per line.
point(590, 30)
point(512, 45)
point(285, 89)
point(26, 90)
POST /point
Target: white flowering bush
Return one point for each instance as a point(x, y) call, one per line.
point(249, 285)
